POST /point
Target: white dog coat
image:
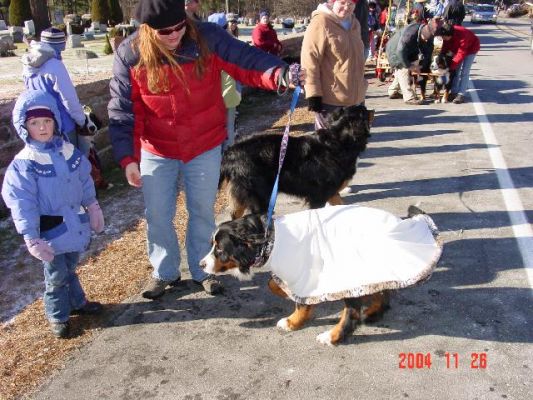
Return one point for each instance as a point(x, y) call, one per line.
point(350, 251)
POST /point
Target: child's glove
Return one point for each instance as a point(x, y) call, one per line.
point(40, 249)
point(96, 217)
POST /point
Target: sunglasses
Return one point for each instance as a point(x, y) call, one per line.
point(175, 28)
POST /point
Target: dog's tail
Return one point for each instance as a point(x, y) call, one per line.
point(414, 211)
point(225, 169)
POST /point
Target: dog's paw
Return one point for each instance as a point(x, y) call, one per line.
point(325, 338)
point(283, 324)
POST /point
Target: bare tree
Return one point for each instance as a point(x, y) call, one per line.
point(128, 8)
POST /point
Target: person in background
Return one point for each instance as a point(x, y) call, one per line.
point(167, 117)
point(233, 26)
point(464, 45)
point(332, 55)
point(264, 36)
point(383, 15)
point(52, 198)
point(43, 70)
point(409, 50)
point(192, 7)
point(418, 12)
point(231, 92)
point(373, 27)
point(454, 12)
point(361, 14)
point(438, 10)
point(218, 18)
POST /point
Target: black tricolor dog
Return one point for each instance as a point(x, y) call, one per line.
point(316, 166)
point(442, 78)
point(92, 123)
point(350, 253)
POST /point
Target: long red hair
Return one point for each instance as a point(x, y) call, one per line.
point(153, 55)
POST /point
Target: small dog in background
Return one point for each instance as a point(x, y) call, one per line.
point(442, 78)
point(93, 123)
point(316, 166)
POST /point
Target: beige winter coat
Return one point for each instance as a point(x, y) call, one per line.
point(334, 61)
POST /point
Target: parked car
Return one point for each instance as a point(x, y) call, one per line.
point(469, 7)
point(484, 13)
point(288, 23)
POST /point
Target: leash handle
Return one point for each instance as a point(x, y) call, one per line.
point(292, 72)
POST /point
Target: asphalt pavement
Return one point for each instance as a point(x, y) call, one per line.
point(464, 334)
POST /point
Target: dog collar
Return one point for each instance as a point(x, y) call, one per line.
point(266, 249)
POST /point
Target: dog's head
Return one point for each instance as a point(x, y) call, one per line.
point(349, 123)
point(352, 114)
point(92, 118)
point(439, 62)
point(236, 246)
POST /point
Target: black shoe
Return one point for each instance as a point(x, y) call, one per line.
point(211, 285)
point(395, 95)
point(60, 329)
point(156, 288)
point(90, 308)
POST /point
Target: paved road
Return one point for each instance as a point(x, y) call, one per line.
point(473, 318)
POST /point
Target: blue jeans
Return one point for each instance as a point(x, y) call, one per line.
point(63, 291)
point(462, 75)
point(82, 143)
point(160, 185)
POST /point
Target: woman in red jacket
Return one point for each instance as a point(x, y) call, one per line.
point(167, 119)
point(264, 36)
point(464, 45)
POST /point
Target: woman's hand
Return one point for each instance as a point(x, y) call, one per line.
point(301, 75)
point(133, 175)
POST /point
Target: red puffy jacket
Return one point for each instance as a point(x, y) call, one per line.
point(189, 119)
point(265, 37)
point(463, 43)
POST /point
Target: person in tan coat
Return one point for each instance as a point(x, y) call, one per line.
point(332, 55)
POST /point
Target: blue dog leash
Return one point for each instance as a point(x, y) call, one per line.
point(282, 151)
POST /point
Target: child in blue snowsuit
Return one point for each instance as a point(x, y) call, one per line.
point(52, 198)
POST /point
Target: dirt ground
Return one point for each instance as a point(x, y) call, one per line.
point(115, 268)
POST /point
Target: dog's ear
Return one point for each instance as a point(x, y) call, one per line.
point(336, 116)
point(233, 247)
point(251, 224)
point(244, 255)
point(255, 240)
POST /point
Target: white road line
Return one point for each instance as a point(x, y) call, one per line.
point(515, 209)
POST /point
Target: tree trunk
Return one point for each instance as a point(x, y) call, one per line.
point(40, 15)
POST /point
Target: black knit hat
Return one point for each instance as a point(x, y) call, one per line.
point(158, 14)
